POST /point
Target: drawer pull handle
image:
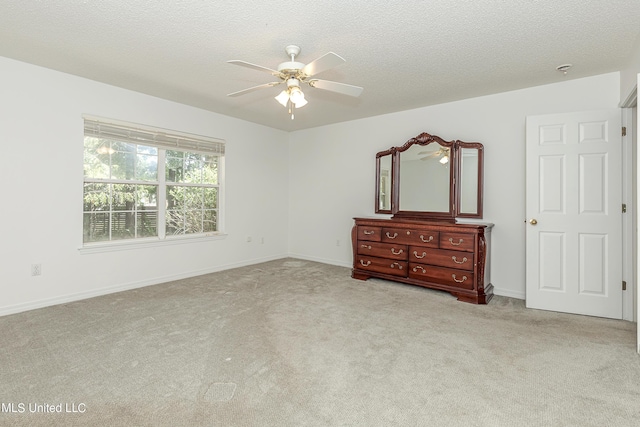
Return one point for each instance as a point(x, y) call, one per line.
point(430, 239)
point(458, 281)
point(393, 251)
point(415, 254)
point(366, 246)
point(455, 244)
point(392, 237)
point(368, 233)
point(396, 264)
point(415, 269)
point(464, 259)
point(365, 265)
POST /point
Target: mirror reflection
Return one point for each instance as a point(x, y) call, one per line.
point(468, 180)
point(424, 178)
point(384, 184)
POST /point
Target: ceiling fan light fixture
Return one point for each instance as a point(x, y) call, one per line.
point(294, 95)
point(444, 160)
point(297, 97)
point(301, 102)
point(283, 98)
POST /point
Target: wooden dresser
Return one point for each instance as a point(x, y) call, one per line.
point(452, 257)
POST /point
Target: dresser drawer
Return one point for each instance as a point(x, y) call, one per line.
point(411, 237)
point(447, 276)
point(381, 265)
point(383, 250)
point(457, 241)
point(442, 257)
point(369, 233)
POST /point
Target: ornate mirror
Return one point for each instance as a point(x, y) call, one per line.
point(429, 178)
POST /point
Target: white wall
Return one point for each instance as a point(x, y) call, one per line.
point(629, 74)
point(332, 168)
point(41, 140)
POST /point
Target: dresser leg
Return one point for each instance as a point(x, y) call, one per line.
point(359, 276)
point(474, 299)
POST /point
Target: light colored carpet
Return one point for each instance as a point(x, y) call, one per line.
point(298, 343)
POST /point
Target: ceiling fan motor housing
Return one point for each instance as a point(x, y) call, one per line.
point(290, 67)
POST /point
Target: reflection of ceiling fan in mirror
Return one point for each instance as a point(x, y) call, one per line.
point(442, 153)
point(295, 73)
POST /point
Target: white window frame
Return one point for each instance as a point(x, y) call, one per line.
point(164, 140)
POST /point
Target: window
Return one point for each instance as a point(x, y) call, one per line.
point(149, 183)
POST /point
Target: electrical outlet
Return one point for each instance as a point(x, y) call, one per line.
point(338, 242)
point(262, 240)
point(36, 269)
point(248, 239)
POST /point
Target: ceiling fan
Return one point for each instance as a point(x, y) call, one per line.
point(295, 73)
point(442, 153)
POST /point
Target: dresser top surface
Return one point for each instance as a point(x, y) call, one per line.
point(403, 223)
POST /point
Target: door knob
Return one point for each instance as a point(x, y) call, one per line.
point(533, 221)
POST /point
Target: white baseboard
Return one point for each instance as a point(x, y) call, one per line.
point(508, 293)
point(322, 260)
point(63, 299)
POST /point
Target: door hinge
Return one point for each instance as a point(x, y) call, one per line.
point(624, 131)
point(624, 285)
point(624, 208)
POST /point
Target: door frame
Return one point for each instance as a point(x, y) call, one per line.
point(629, 238)
point(630, 119)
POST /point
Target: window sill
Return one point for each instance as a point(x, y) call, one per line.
point(123, 245)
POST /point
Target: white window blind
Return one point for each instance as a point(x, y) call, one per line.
point(146, 135)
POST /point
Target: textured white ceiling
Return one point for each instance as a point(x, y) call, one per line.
point(405, 54)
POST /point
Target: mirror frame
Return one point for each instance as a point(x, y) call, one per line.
point(480, 178)
point(454, 187)
point(379, 157)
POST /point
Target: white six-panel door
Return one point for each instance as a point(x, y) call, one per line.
point(574, 217)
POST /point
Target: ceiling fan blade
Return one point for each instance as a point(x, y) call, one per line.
point(435, 151)
point(254, 66)
point(251, 89)
point(342, 88)
point(326, 61)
